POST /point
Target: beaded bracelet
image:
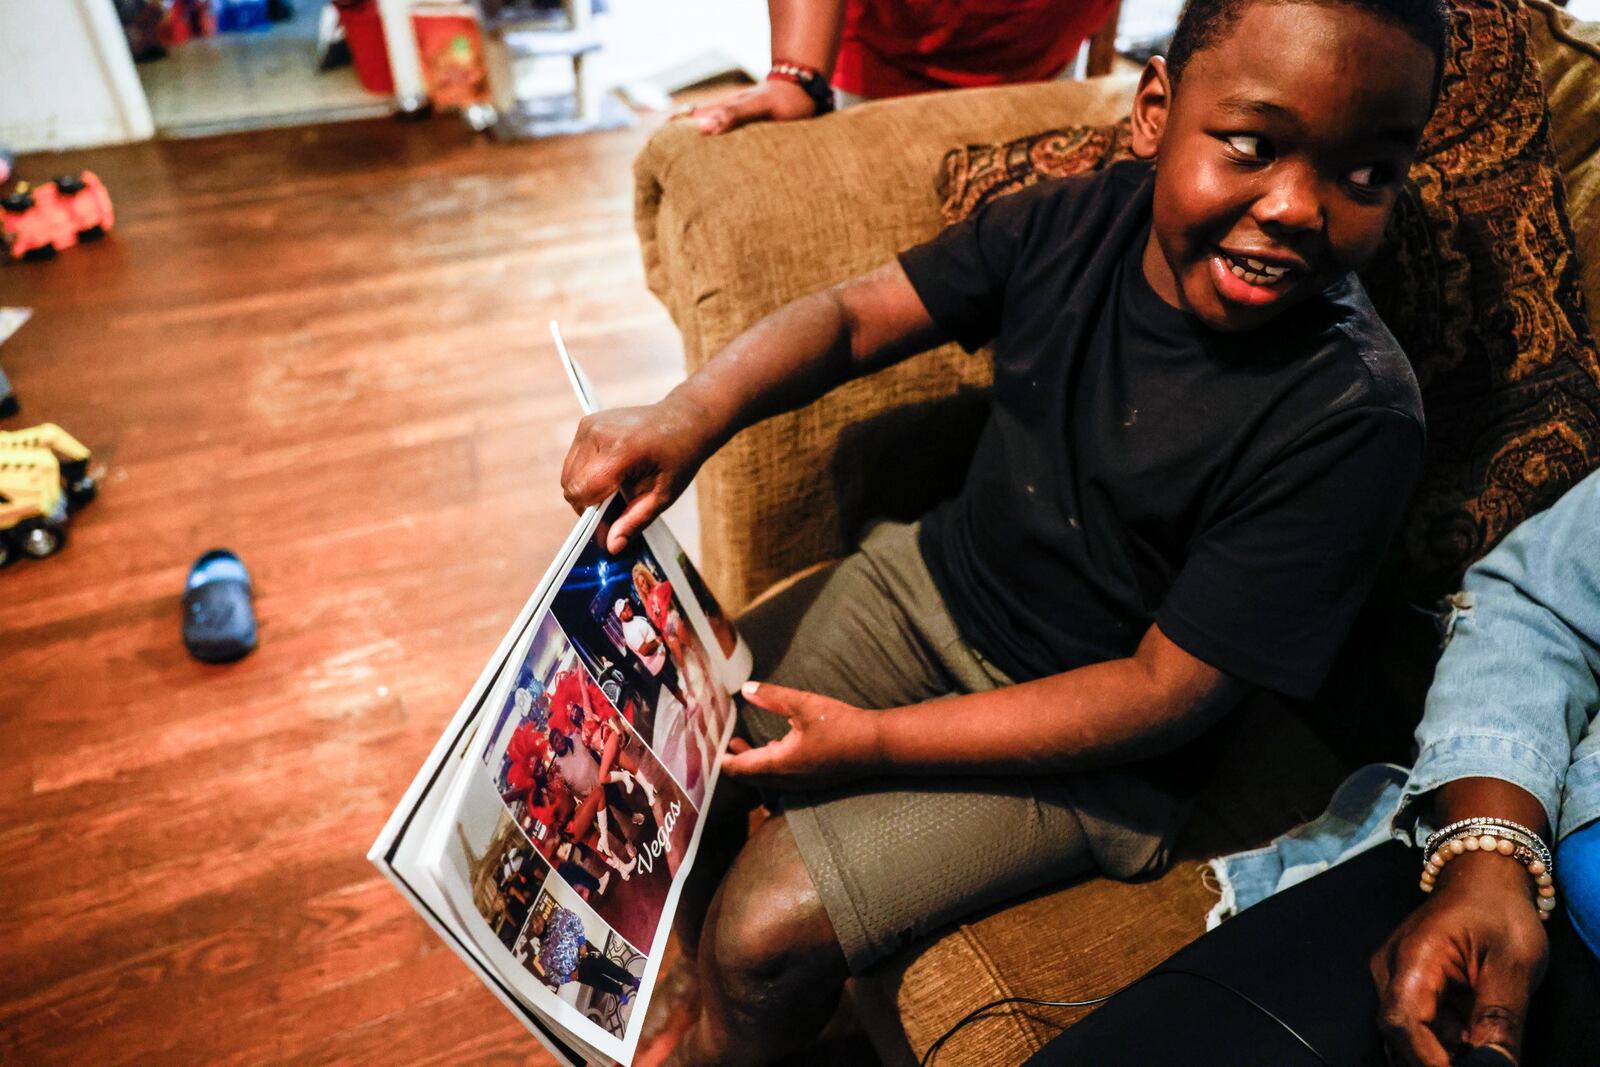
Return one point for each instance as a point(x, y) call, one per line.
point(1493, 835)
point(1463, 824)
point(810, 79)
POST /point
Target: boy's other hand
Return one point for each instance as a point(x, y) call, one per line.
point(1461, 969)
point(649, 454)
point(773, 101)
point(828, 741)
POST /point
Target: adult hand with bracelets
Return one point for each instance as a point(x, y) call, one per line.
point(805, 43)
point(1496, 960)
point(872, 49)
point(1510, 736)
point(1465, 964)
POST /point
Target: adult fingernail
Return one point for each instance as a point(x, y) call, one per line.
point(749, 688)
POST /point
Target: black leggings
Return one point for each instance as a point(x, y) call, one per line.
point(1302, 955)
point(606, 975)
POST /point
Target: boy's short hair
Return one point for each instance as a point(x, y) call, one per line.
point(1205, 22)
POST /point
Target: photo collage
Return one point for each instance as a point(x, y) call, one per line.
point(595, 767)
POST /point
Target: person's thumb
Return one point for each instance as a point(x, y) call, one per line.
point(639, 513)
point(1500, 1006)
point(778, 699)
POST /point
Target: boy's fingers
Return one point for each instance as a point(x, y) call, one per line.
point(765, 760)
point(778, 699)
point(587, 487)
point(635, 517)
point(737, 745)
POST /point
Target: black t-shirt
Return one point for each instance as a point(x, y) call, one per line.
point(1237, 489)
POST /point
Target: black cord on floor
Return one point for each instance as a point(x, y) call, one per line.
point(933, 1049)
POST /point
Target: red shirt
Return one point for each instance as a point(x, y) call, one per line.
point(899, 47)
point(658, 606)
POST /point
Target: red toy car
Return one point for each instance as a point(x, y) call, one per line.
point(42, 220)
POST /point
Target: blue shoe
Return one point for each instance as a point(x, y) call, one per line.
point(219, 616)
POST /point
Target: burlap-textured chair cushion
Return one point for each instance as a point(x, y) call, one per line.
point(1569, 65)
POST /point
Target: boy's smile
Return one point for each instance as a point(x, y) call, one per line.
point(1280, 154)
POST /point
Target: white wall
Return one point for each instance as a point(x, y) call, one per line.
point(66, 77)
point(645, 37)
point(644, 40)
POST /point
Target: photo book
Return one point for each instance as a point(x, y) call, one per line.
point(548, 834)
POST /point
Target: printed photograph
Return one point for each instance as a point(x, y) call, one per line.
point(498, 863)
point(727, 639)
point(629, 627)
point(565, 946)
point(587, 792)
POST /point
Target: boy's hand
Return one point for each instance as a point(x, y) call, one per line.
point(649, 454)
point(774, 101)
point(1461, 969)
point(828, 742)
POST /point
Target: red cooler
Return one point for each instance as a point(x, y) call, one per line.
point(363, 30)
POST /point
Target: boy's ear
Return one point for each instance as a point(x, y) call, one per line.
point(1150, 106)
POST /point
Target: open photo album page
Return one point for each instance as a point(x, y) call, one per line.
point(569, 825)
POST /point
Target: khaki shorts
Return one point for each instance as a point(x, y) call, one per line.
point(893, 860)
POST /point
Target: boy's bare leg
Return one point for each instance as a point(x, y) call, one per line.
point(675, 1001)
point(771, 970)
point(727, 830)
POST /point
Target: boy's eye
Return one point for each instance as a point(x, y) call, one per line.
point(1248, 146)
point(1371, 176)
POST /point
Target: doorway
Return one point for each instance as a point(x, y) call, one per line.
point(216, 66)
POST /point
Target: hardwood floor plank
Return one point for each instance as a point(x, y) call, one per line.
point(326, 349)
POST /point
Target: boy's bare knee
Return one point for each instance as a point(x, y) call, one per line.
point(771, 940)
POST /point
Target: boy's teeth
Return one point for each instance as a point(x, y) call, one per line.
point(1255, 271)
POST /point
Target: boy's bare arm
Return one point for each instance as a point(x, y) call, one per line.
point(1101, 715)
point(808, 347)
point(783, 362)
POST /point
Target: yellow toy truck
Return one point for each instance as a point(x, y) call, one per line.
point(70, 454)
point(44, 476)
point(33, 504)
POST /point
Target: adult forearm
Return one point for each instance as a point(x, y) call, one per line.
point(1096, 716)
point(806, 31)
point(1493, 798)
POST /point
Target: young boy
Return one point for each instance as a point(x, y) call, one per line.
point(1200, 443)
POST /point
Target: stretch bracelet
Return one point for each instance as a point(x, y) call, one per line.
point(1460, 825)
point(809, 79)
point(1509, 839)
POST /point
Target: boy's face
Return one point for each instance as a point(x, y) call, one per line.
point(1280, 153)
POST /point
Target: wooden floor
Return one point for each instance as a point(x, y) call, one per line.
point(325, 349)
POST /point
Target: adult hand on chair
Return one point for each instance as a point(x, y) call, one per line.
point(771, 101)
point(828, 741)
